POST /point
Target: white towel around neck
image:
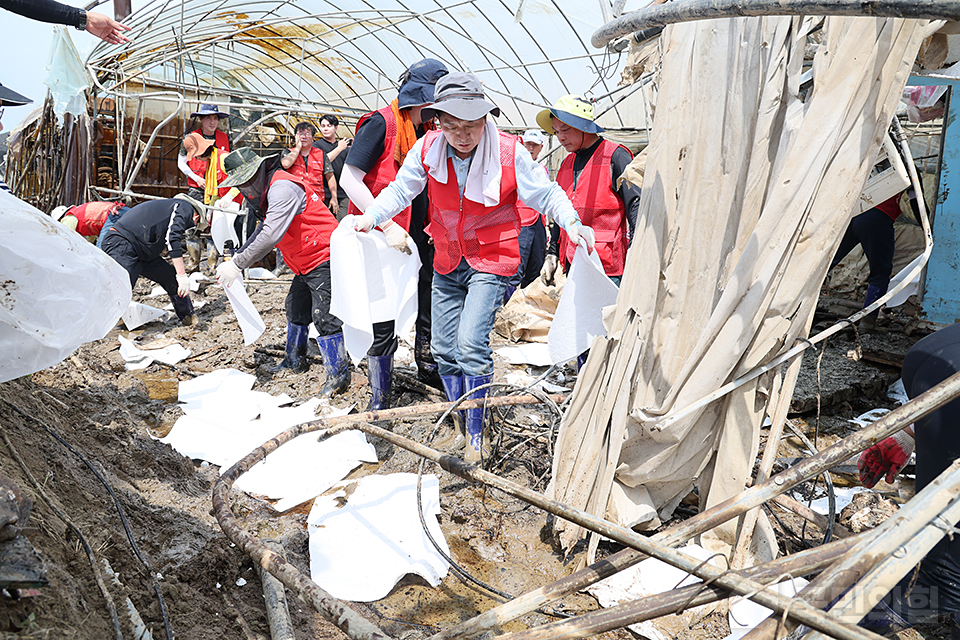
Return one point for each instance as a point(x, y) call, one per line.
point(483, 179)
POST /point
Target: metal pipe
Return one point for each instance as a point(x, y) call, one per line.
point(684, 11)
point(718, 514)
point(751, 589)
point(275, 599)
point(886, 540)
point(677, 600)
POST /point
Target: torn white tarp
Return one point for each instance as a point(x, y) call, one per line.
point(361, 544)
point(224, 420)
point(58, 290)
point(137, 358)
point(138, 314)
point(579, 317)
point(66, 75)
point(371, 282)
point(748, 189)
point(251, 324)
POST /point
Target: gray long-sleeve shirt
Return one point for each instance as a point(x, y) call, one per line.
point(285, 200)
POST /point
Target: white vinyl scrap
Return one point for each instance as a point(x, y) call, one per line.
point(347, 56)
point(747, 193)
point(48, 276)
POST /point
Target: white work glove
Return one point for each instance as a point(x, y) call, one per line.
point(396, 237)
point(224, 202)
point(549, 269)
point(227, 273)
point(183, 285)
point(576, 232)
point(364, 223)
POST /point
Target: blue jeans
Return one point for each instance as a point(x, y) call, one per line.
point(533, 248)
point(465, 303)
point(110, 221)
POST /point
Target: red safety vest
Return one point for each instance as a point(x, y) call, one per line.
point(92, 215)
point(306, 244)
point(199, 165)
point(486, 236)
point(385, 170)
point(312, 174)
point(599, 208)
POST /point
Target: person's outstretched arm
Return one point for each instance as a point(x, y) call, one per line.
point(104, 27)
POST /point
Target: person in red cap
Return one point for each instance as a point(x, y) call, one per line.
point(382, 141)
point(589, 177)
point(473, 175)
point(310, 163)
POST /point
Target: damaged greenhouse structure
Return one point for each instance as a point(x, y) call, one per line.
point(760, 130)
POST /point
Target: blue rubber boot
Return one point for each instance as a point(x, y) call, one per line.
point(453, 387)
point(380, 369)
point(474, 418)
point(335, 362)
point(869, 322)
point(296, 354)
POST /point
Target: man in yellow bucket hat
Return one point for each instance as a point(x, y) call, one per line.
point(588, 176)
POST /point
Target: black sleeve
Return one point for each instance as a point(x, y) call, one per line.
point(181, 220)
point(553, 248)
point(629, 194)
point(44, 11)
point(367, 145)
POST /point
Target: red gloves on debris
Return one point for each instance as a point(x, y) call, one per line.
point(886, 458)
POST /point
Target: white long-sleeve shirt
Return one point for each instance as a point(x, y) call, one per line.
point(534, 188)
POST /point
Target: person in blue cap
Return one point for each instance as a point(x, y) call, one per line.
point(381, 142)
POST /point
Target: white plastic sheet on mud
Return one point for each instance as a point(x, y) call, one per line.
point(57, 290)
point(224, 420)
point(362, 544)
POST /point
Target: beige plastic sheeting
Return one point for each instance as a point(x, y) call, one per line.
point(746, 195)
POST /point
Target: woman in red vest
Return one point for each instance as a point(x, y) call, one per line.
point(474, 175)
point(296, 221)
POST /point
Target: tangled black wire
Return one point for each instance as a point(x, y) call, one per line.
point(459, 571)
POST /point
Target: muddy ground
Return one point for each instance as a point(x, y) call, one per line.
point(110, 418)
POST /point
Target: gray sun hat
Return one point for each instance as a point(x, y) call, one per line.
point(241, 165)
point(461, 95)
point(209, 110)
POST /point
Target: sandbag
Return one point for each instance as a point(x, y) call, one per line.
point(58, 290)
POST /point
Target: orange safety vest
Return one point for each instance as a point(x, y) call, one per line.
point(92, 216)
point(312, 171)
point(306, 244)
point(487, 237)
point(599, 208)
point(385, 170)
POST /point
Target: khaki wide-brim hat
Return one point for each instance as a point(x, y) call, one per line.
point(571, 110)
point(203, 217)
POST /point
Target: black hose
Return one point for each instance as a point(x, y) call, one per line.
point(831, 494)
point(687, 10)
